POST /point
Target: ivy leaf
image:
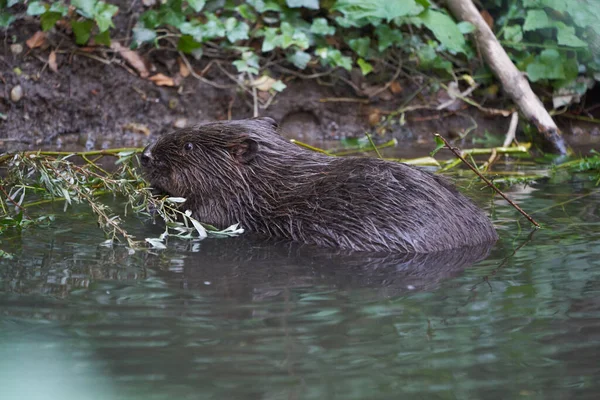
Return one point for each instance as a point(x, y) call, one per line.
point(365, 67)
point(82, 30)
point(6, 19)
point(103, 38)
point(445, 30)
point(236, 30)
point(385, 9)
point(248, 63)
point(188, 44)
point(513, 33)
point(36, 8)
point(387, 36)
point(279, 86)
point(311, 4)
point(193, 29)
point(213, 28)
point(320, 27)
point(300, 59)
point(103, 14)
point(271, 40)
point(85, 7)
point(49, 19)
point(566, 36)
point(141, 35)
point(360, 46)
point(548, 65)
point(465, 27)
point(537, 19)
point(197, 5)
point(334, 57)
point(60, 8)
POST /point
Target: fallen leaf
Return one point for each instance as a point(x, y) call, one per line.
point(137, 128)
point(374, 117)
point(37, 40)
point(395, 87)
point(489, 20)
point(132, 58)
point(162, 80)
point(264, 83)
point(183, 69)
point(52, 62)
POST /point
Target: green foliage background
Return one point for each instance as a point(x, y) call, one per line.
point(554, 41)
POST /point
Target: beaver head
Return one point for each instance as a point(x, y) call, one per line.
point(220, 166)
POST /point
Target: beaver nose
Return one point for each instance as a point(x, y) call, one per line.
point(147, 156)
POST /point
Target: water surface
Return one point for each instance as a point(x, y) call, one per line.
point(241, 319)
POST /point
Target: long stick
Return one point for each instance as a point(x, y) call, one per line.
point(490, 184)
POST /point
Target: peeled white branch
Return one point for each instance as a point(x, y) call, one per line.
point(513, 81)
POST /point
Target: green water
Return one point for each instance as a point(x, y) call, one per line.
point(237, 319)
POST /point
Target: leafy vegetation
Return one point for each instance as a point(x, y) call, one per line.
point(552, 40)
point(35, 178)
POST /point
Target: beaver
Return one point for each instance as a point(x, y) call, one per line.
point(245, 172)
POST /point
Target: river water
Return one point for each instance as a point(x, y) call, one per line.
point(241, 319)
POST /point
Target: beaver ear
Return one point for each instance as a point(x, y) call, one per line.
point(245, 150)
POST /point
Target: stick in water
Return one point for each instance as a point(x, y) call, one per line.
point(490, 184)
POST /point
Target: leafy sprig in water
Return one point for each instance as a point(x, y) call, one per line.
point(34, 178)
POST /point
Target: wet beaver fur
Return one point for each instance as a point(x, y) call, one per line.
point(244, 171)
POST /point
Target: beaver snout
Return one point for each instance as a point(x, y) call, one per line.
point(147, 156)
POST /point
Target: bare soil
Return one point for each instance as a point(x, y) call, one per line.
point(95, 100)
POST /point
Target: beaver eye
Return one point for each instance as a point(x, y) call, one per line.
point(188, 146)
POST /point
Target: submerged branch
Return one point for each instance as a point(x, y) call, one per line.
point(458, 154)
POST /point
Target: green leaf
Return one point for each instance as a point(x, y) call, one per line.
point(354, 10)
point(360, 46)
point(103, 14)
point(213, 28)
point(60, 8)
point(246, 12)
point(311, 4)
point(387, 36)
point(85, 7)
point(142, 35)
point(150, 19)
point(321, 27)
point(566, 36)
point(334, 57)
point(49, 19)
point(513, 33)
point(548, 65)
point(248, 63)
point(365, 67)
point(193, 29)
point(188, 44)
point(278, 86)
point(36, 8)
point(271, 40)
point(82, 30)
point(439, 144)
point(536, 19)
point(465, 27)
point(300, 59)
point(6, 19)
point(236, 30)
point(445, 30)
point(197, 5)
point(103, 38)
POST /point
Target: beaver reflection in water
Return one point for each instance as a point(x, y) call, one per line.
point(244, 171)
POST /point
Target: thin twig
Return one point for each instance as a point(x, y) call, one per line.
point(490, 184)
